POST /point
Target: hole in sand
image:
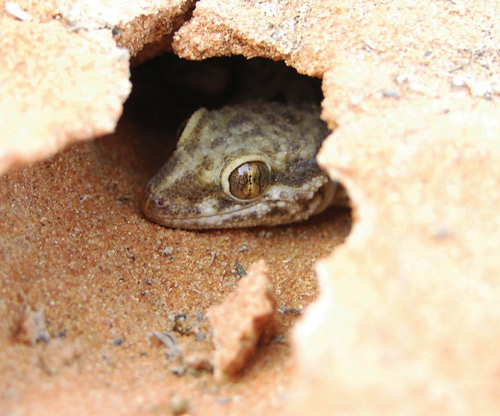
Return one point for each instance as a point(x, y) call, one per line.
point(77, 246)
point(205, 266)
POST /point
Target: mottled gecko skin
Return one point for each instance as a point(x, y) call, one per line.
point(244, 165)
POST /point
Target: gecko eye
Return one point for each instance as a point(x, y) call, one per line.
point(249, 180)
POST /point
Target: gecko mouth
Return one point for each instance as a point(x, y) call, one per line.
point(158, 209)
point(259, 212)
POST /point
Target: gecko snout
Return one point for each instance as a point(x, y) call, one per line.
point(152, 204)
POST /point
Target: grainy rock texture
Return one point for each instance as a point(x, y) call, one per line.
point(408, 308)
point(62, 76)
point(242, 320)
point(52, 94)
point(145, 28)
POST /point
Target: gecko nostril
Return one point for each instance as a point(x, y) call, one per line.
point(160, 202)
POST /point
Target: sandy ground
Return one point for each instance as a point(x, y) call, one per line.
point(106, 278)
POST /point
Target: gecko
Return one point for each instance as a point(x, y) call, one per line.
point(244, 165)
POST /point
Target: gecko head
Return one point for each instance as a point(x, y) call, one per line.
point(245, 191)
point(241, 166)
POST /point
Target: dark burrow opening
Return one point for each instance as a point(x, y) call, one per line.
point(167, 90)
point(205, 266)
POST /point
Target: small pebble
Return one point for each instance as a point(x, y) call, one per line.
point(167, 251)
point(178, 405)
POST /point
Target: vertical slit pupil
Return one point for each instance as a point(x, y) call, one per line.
point(249, 180)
